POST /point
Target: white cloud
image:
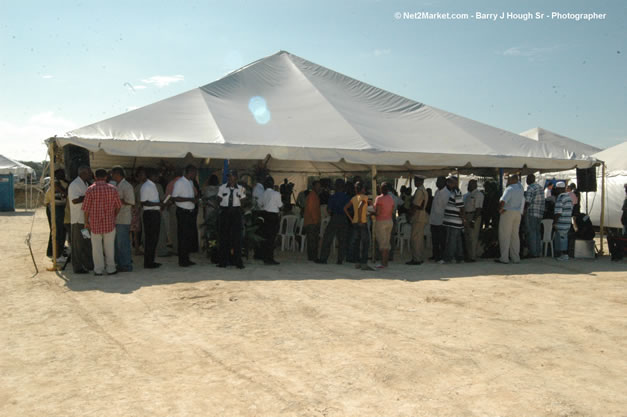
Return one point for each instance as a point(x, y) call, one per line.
point(140, 87)
point(47, 76)
point(131, 108)
point(527, 52)
point(381, 52)
point(25, 141)
point(163, 80)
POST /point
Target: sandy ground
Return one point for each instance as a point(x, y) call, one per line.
point(539, 339)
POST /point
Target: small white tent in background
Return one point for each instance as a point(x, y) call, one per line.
point(578, 149)
point(615, 159)
point(18, 169)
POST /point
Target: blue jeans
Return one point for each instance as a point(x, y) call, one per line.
point(534, 239)
point(361, 238)
point(560, 241)
point(123, 247)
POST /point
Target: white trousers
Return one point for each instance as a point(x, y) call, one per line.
point(509, 240)
point(103, 251)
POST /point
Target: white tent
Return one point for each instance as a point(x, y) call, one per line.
point(298, 116)
point(576, 148)
point(615, 159)
point(18, 169)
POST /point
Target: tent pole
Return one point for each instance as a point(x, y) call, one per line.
point(373, 172)
point(53, 218)
point(602, 205)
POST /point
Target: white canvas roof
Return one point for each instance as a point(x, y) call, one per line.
point(577, 148)
point(9, 166)
point(615, 159)
point(306, 117)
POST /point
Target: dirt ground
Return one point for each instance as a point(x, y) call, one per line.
point(541, 338)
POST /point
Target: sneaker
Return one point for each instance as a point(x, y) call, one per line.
point(379, 266)
point(563, 258)
point(441, 262)
point(366, 267)
point(61, 259)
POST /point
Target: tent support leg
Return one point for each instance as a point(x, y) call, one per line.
point(602, 205)
point(373, 172)
point(53, 222)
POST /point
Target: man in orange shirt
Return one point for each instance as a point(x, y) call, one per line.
point(311, 224)
point(360, 224)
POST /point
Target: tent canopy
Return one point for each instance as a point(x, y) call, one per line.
point(9, 166)
point(577, 148)
point(299, 116)
point(615, 159)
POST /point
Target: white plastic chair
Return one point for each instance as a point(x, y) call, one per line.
point(286, 231)
point(301, 242)
point(400, 221)
point(405, 236)
point(547, 236)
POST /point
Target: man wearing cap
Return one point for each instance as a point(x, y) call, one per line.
point(184, 197)
point(230, 195)
point(562, 220)
point(510, 208)
point(418, 218)
point(473, 204)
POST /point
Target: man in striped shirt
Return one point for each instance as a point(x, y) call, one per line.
point(454, 218)
point(534, 212)
point(562, 221)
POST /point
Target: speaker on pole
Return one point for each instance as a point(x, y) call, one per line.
point(74, 157)
point(587, 179)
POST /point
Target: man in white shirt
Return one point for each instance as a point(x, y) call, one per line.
point(510, 208)
point(149, 197)
point(271, 203)
point(473, 204)
point(82, 260)
point(184, 196)
point(258, 191)
point(436, 219)
point(231, 225)
point(123, 258)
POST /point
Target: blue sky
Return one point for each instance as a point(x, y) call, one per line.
point(66, 64)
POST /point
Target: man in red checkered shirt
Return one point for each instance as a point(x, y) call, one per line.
point(101, 206)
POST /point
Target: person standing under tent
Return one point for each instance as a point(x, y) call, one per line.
point(57, 195)
point(418, 218)
point(338, 225)
point(101, 206)
point(534, 213)
point(137, 211)
point(436, 219)
point(473, 204)
point(562, 220)
point(123, 258)
point(360, 236)
point(384, 210)
point(184, 197)
point(311, 222)
point(270, 204)
point(151, 204)
point(230, 195)
point(257, 211)
point(510, 208)
point(82, 261)
point(453, 222)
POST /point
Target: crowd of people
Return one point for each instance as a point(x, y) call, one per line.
point(107, 217)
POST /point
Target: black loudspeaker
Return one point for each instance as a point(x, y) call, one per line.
point(74, 157)
point(587, 179)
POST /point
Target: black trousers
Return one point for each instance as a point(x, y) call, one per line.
point(270, 229)
point(59, 214)
point(230, 235)
point(338, 226)
point(152, 226)
point(257, 221)
point(438, 240)
point(187, 233)
point(81, 250)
